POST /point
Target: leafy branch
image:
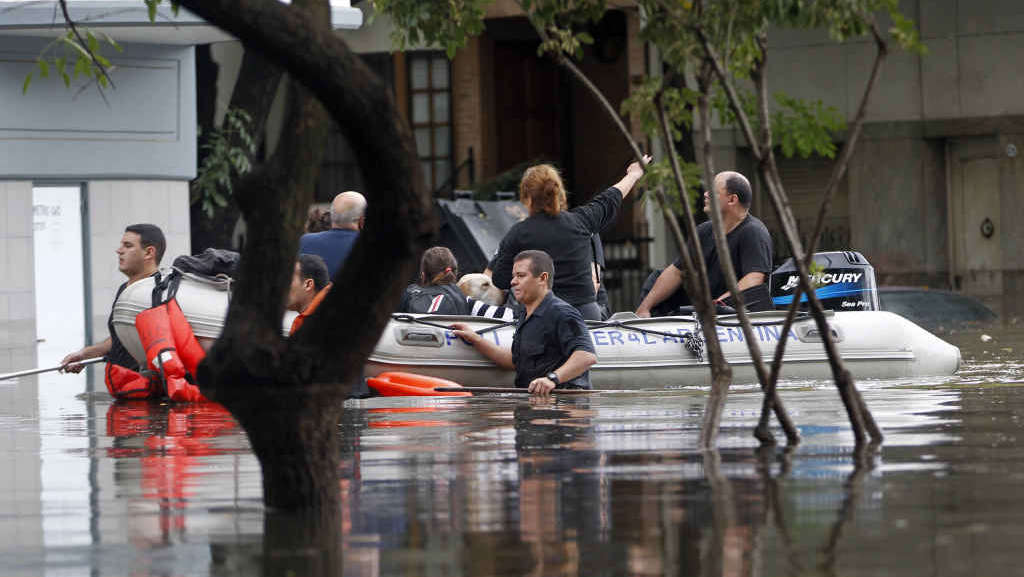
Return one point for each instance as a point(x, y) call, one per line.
point(229, 151)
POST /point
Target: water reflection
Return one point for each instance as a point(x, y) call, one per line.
point(609, 484)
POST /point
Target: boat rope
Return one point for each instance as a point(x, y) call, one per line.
point(693, 340)
point(405, 318)
point(801, 316)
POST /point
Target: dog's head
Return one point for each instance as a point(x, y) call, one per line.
point(480, 287)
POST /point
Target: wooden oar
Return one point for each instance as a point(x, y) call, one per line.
point(48, 369)
point(512, 390)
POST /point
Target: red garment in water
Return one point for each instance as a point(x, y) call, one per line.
point(309, 310)
point(125, 383)
point(163, 330)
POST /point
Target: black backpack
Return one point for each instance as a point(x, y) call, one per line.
point(444, 299)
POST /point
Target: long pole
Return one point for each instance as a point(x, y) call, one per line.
point(46, 370)
point(512, 390)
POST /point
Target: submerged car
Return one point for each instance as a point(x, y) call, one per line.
point(935, 310)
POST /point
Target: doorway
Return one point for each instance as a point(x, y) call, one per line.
point(59, 269)
point(58, 242)
point(975, 220)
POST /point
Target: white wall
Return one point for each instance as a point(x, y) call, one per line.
point(17, 297)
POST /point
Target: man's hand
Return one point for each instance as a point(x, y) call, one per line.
point(643, 312)
point(541, 386)
point(468, 335)
point(70, 360)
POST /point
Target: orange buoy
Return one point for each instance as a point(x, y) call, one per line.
point(396, 385)
point(415, 380)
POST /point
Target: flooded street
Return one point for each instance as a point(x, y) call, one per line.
point(605, 484)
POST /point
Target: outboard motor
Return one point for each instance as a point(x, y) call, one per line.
point(845, 281)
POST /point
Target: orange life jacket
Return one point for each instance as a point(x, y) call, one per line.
point(317, 299)
point(164, 332)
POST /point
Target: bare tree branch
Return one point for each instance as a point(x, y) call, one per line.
point(768, 170)
point(838, 172)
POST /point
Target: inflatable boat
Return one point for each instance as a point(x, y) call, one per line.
point(633, 353)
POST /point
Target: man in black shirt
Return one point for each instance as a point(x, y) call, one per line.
point(750, 247)
point(551, 346)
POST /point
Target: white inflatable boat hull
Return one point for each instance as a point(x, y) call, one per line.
point(874, 345)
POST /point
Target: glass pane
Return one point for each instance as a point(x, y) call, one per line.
point(439, 72)
point(440, 107)
point(442, 141)
point(418, 73)
point(420, 108)
point(441, 171)
point(423, 141)
point(427, 179)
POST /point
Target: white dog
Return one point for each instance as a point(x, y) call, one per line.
point(479, 286)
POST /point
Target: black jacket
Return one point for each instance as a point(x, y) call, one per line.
point(566, 237)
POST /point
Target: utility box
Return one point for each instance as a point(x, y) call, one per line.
point(472, 229)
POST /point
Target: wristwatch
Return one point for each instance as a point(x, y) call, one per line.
point(553, 377)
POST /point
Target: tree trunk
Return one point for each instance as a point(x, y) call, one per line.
point(287, 393)
point(729, 272)
point(761, 148)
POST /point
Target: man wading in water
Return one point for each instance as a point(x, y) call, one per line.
point(551, 346)
point(138, 256)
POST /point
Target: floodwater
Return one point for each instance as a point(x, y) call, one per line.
point(605, 484)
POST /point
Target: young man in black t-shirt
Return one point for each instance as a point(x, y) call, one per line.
point(750, 248)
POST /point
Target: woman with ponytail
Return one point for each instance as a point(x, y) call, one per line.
point(438, 294)
point(563, 234)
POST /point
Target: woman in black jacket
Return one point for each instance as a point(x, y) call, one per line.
point(563, 234)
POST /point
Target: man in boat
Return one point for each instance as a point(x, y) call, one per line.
point(138, 256)
point(551, 346)
point(310, 284)
point(348, 214)
point(750, 247)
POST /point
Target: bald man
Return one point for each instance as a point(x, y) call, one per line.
point(750, 247)
point(348, 213)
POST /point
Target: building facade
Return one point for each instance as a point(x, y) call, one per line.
point(933, 192)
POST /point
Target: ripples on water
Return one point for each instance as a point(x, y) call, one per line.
point(608, 484)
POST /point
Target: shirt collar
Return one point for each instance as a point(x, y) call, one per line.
point(544, 305)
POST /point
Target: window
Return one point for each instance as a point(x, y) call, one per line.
point(339, 170)
point(430, 115)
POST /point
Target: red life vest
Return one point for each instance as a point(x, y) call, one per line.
point(171, 349)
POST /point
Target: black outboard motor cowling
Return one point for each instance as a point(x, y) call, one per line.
point(845, 281)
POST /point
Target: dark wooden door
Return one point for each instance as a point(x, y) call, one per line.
point(527, 102)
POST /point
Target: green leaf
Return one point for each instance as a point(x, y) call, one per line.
point(151, 9)
point(44, 68)
point(81, 66)
point(28, 80)
point(91, 41)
